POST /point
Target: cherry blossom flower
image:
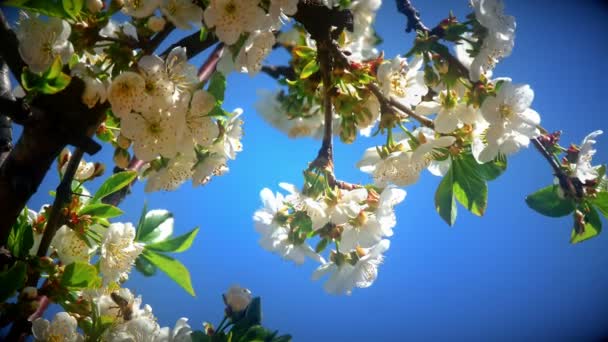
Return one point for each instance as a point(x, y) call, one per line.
point(583, 169)
point(180, 333)
point(169, 178)
point(402, 81)
point(125, 93)
point(182, 12)
point(344, 275)
point(512, 123)
point(40, 42)
point(140, 8)
point(70, 246)
point(257, 46)
point(62, 328)
point(211, 165)
point(154, 132)
point(231, 18)
point(451, 113)
point(118, 251)
point(231, 139)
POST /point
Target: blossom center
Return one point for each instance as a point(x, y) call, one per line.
point(505, 111)
point(230, 7)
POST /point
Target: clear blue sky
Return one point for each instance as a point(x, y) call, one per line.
point(511, 274)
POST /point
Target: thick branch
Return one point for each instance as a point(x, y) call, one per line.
point(10, 47)
point(6, 126)
point(325, 157)
point(44, 135)
point(193, 44)
point(158, 38)
point(208, 68)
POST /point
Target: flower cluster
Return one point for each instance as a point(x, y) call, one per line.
point(357, 221)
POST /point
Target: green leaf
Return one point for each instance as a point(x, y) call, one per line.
point(21, 237)
point(12, 280)
point(547, 202)
point(55, 85)
point(217, 86)
point(203, 34)
point(173, 268)
point(444, 198)
point(116, 182)
point(309, 69)
point(177, 244)
point(100, 210)
point(72, 7)
point(253, 313)
point(156, 226)
point(80, 275)
point(255, 333)
point(491, 170)
point(469, 188)
point(592, 228)
point(600, 202)
point(144, 267)
point(54, 70)
point(52, 8)
point(199, 336)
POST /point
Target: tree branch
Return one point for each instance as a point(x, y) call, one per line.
point(158, 38)
point(413, 16)
point(278, 71)
point(193, 44)
point(6, 125)
point(10, 47)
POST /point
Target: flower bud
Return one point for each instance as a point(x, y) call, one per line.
point(121, 158)
point(99, 170)
point(94, 6)
point(29, 293)
point(156, 24)
point(123, 142)
point(237, 298)
point(64, 158)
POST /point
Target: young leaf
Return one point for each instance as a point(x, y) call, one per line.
point(144, 267)
point(52, 8)
point(309, 69)
point(116, 182)
point(444, 198)
point(600, 202)
point(12, 280)
point(173, 268)
point(491, 170)
point(547, 202)
point(175, 245)
point(592, 228)
point(80, 275)
point(156, 226)
point(469, 188)
point(100, 210)
point(21, 237)
point(217, 86)
point(72, 7)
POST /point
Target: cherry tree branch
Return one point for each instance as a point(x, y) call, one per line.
point(6, 125)
point(158, 38)
point(413, 16)
point(278, 71)
point(193, 44)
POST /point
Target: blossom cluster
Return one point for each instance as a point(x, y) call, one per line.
point(358, 221)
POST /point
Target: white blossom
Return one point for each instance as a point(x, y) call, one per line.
point(180, 333)
point(112, 30)
point(172, 176)
point(451, 113)
point(500, 37)
point(512, 123)
point(402, 81)
point(274, 236)
point(118, 251)
point(237, 298)
point(70, 246)
point(180, 72)
point(85, 169)
point(280, 9)
point(140, 329)
point(158, 88)
point(231, 18)
point(40, 42)
point(154, 132)
point(212, 165)
point(182, 12)
point(125, 93)
point(257, 46)
point(345, 276)
point(583, 169)
point(231, 138)
point(62, 328)
point(140, 8)
point(200, 129)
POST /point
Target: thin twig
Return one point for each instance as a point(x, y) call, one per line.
point(210, 65)
point(324, 158)
point(193, 44)
point(278, 71)
point(395, 104)
point(413, 16)
point(62, 197)
point(159, 38)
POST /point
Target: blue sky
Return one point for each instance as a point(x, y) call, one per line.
point(511, 274)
